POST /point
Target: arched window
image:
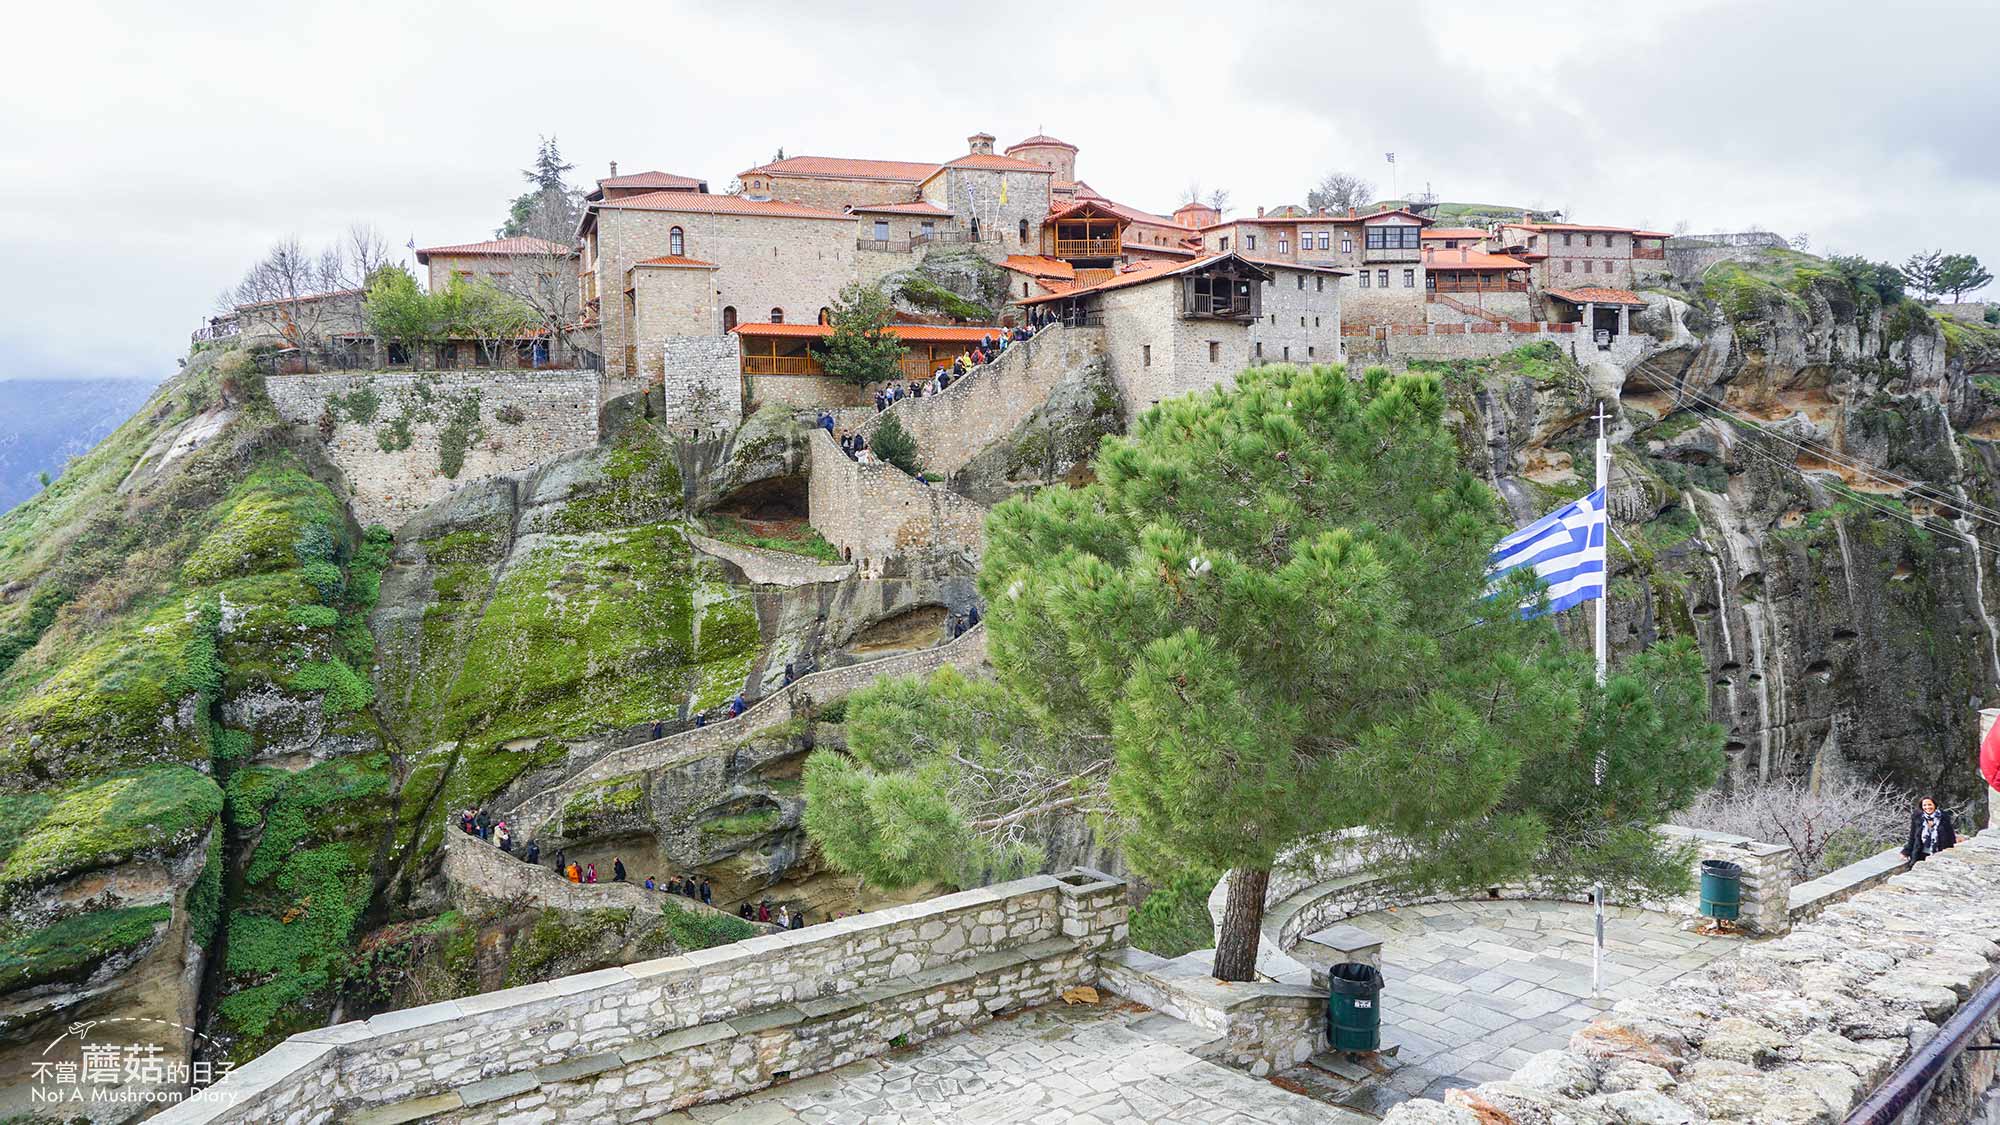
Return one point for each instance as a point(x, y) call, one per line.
point(676, 242)
point(728, 317)
point(975, 230)
point(825, 315)
point(777, 316)
point(1024, 232)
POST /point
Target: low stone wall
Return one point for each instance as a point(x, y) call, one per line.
point(409, 412)
point(772, 568)
point(1794, 1030)
point(987, 404)
point(650, 1038)
point(536, 817)
point(1265, 1028)
point(803, 392)
point(700, 383)
point(1814, 895)
point(876, 512)
point(1329, 882)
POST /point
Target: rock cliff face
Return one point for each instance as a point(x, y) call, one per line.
point(1833, 554)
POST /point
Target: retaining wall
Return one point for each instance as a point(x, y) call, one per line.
point(473, 865)
point(989, 402)
point(650, 1038)
point(875, 512)
point(558, 414)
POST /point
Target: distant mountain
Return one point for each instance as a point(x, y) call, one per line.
point(45, 422)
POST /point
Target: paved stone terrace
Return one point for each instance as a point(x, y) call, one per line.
point(1472, 989)
point(1102, 1063)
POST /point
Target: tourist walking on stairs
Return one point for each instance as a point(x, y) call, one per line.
point(617, 870)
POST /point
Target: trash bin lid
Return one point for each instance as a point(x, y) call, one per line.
point(1353, 978)
point(1721, 867)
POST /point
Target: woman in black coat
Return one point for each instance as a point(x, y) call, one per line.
point(1930, 831)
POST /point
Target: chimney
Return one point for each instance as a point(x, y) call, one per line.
point(1260, 212)
point(1350, 213)
point(982, 144)
point(614, 169)
point(1465, 253)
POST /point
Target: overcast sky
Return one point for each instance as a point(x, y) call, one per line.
point(154, 150)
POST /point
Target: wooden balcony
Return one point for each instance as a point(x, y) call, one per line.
point(781, 365)
point(1650, 253)
point(1484, 285)
point(1088, 247)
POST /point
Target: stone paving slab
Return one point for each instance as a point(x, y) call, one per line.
point(1104, 1064)
point(1471, 989)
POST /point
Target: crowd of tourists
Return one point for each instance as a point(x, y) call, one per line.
point(477, 822)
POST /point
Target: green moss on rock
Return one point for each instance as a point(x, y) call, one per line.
point(73, 948)
point(51, 834)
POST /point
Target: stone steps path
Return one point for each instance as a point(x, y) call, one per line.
point(473, 863)
point(531, 816)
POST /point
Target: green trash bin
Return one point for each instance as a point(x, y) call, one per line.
point(1354, 1007)
point(1721, 889)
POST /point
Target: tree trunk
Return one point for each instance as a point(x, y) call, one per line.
point(1242, 919)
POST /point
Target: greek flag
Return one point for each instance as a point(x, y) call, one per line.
point(1564, 548)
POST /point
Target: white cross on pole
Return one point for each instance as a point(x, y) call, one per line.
point(1597, 767)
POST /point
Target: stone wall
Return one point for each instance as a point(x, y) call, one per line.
point(558, 414)
point(650, 1038)
point(875, 512)
point(1766, 902)
point(1397, 345)
point(1809, 898)
point(477, 871)
point(802, 392)
point(1301, 322)
point(700, 382)
point(1266, 1028)
point(989, 402)
point(1794, 1030)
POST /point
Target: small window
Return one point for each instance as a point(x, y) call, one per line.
point(676, 242)
point(1310, 351)
point(1288, 353)
point(1302, 322)
point(975, 230)
point(881, 230)
point(1586, 241)
point(1145, 355)
point(1284, 245)
point(1319, 284)
point(1568, 266)
point(1566, 239)
point(1409, 279)
point(1364, 279)
point(1260, 349)
point(1214, 351)
point(1315, 322)
point(1225, 243)
point(1302, 283)
point(1586, 265)
point(1325, 240)
point(1024, 289)
point(1382, 279)
point(1346, 245)
point(927, 228)
point(1024, 232)
point(1249, 242)
point(777, 316)
point(728, 317)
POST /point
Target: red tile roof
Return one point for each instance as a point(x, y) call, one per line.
point(719, 205)
point(302, 298)
point(935, 333)
point(1036, 266)
point(918, 207)
point(1454, 232)
point(1597, 296)
point(990, 162)
point(845, 168)
point(1284, 263)
point(675, 261)
point(1579, 227)
point(656, 180)
point(500, 247)
point(1041, 139)
point(1138, 273)
point(1465, 259)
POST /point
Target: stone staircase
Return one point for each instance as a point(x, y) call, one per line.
point(471, 863)
point(531, 817)
point(1457, 305)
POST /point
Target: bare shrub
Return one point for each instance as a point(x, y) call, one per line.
point(1827, 827)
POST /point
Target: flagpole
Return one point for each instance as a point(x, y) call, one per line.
point(1603, 655)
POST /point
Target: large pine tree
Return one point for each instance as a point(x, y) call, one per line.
point(1265, 621)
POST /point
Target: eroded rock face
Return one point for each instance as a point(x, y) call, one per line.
point(1054, 445)
point(1839, 636)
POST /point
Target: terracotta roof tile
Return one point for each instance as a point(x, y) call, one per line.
point(1464, 259)
point(657, 180)
point(1036, 266)
point(500, 247)
point(675, 261)
point(1041, 139)
point(719, 205)
point(1597, 296)
point(916, 207)
point(939, 333)
point(1138, 273)
point(1579, 227)
point(990, 162)
point(303, 298)
point(846, 168)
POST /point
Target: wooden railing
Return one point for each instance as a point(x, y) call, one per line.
point(1087, 247)
point(1443, 286)
point(781, 365)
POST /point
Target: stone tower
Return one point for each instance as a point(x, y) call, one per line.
point(1057, 156)
point(982, 144)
